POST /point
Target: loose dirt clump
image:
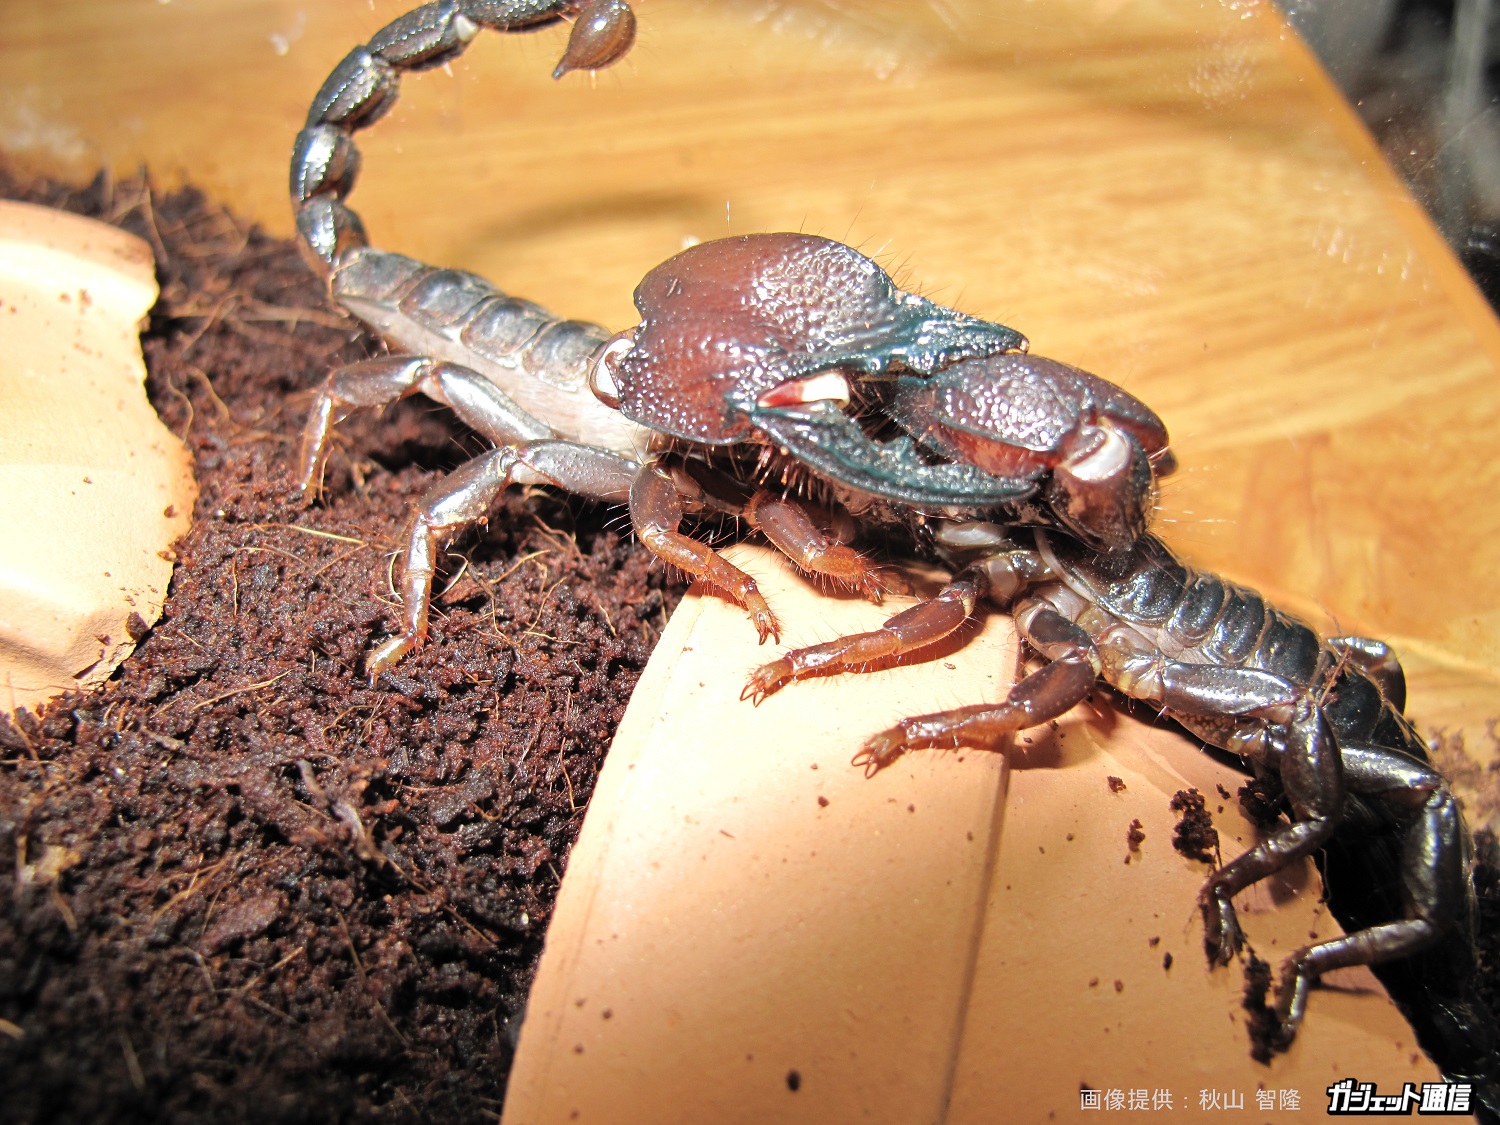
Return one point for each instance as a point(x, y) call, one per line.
point(247, 885)
point(1195, 835)
point(1261, 1020)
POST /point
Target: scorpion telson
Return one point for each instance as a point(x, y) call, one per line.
point(750, 340)
point(1321, 719)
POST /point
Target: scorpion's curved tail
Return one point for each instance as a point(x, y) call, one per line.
point(363, 87)
point(1436, 989)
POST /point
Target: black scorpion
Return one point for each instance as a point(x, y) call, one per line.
point(1319, 718)
point(755, 341)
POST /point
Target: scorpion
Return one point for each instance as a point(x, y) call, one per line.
point(1319, 718)
point(751, 343)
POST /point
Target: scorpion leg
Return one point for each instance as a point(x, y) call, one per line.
point(379, 382)
point(1433, 877)
point(923, 624)
point(1001, 575)
point(1379, 662)
point(788, 525)
point(465, 496)
point(656, 511)
point(1052, 690)
point(1296, 741)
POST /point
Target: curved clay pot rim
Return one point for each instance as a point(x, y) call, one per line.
point(93, 488)
point(751, 930)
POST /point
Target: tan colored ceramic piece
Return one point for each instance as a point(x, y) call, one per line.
point(943, 942)
point(93, 488)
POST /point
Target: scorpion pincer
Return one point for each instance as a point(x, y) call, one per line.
point(1319, 717)
point(748, 341)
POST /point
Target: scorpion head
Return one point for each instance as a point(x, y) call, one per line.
point(756, 338)
point(735, 330)
point(1093, 451)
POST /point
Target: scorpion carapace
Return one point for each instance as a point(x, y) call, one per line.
point(1320, 718)
point(727, 325)
point(744, 341)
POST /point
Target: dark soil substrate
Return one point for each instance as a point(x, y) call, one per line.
point(248, 887)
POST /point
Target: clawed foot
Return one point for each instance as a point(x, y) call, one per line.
point(766, 626)
point(794, 665)
point(308, 490)
point(1273, 1028)
point(1291, 1001)
point(1222, 937)
point(387, 654)
point(1280, 1037)
point(761, 616)
point(872, 589)
point(766, 679)
point(881, 750)
point(874, 584)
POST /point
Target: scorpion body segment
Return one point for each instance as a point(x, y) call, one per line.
point(363, 88)
point(604, 33)
point(539, 361)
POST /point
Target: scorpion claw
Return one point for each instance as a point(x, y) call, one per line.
point(880, 750)
point(386, 655)
point(820, 435)
point(766, 679)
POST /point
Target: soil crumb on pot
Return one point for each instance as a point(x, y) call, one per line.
point(1195, 835)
